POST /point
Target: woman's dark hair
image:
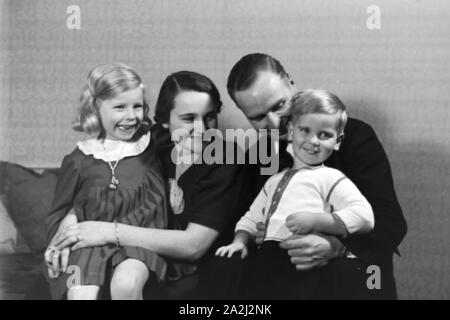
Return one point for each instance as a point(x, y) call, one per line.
point(244, 72)
point(183, 81)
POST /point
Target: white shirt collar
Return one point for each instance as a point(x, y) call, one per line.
point(289, 148)
point(113, 150)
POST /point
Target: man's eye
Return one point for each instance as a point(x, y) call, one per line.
point(258, 118)
point(138, 106)
point(210, 118)
point(281, 107)
point(119, 107)
point(187, 119)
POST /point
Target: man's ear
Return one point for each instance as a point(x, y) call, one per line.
point(290, 129)
point(290, 80)
point(339, 141)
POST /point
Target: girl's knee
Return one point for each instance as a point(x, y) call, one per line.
point(128, 283)
point(83, 293)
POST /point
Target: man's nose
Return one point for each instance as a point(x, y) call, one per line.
point(273, 120)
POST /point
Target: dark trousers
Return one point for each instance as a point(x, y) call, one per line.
point(269, 274)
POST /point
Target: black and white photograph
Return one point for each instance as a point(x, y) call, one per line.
point(241, 151)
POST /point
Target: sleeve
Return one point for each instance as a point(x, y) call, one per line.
point(65, 191)
point(351, 206)
point(366, 164)
point(216, 205)
point(255, 214)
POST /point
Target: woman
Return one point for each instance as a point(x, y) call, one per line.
point(203, 197)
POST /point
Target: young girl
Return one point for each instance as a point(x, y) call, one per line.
point(111, 177)
point(203, 195)
point(307, 198)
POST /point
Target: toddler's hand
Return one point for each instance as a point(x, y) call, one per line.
point(230, 249)
point(301, 222)
point(260, 233)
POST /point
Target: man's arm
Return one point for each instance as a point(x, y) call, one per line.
point(364, 161)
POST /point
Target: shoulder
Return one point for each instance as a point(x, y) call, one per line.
point(275, 178)
point(330, 173)
point(75, 158)
point(359, 139)
point(356, 128)
point(323, 176)
point(72, 164)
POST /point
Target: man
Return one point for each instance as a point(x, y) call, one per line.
point(262, 89)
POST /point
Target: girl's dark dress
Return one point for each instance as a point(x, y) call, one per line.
point(139, 200)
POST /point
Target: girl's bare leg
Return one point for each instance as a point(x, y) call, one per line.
point(83, 293)
point(128, 280)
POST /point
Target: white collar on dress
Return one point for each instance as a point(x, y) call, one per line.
point(115, 149)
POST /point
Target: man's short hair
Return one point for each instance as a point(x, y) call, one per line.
point(245, 71)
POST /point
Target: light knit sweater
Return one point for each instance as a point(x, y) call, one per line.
point(312, 189)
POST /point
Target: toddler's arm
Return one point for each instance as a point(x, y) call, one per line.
point(246, 227)
point(351, 207)
point(239, 244)
point(350, 213)
point(309, 222)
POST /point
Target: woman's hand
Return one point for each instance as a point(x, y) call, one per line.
point(56, 261)
point(85, 234)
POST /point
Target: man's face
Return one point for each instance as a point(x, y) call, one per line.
point(266, 101)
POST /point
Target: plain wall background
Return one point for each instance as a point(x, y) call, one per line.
point(396, 78)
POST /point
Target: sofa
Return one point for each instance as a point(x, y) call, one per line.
point(25, 199)
point(26, 196)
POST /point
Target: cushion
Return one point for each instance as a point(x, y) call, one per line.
point(28, 199)
point(11, 241)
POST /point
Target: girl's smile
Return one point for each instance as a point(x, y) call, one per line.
point(122, 115)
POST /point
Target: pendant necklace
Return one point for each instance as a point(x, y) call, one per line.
point(114, 181)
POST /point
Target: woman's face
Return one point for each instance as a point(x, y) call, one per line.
point(192, 114)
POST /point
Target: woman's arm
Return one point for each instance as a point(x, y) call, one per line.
point(190, 244)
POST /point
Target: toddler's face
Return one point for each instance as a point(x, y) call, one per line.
point(314, 137)
point(122, 115)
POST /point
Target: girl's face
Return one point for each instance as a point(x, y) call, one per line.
point(192, 114)
point(122, 115)
point(314, 137)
